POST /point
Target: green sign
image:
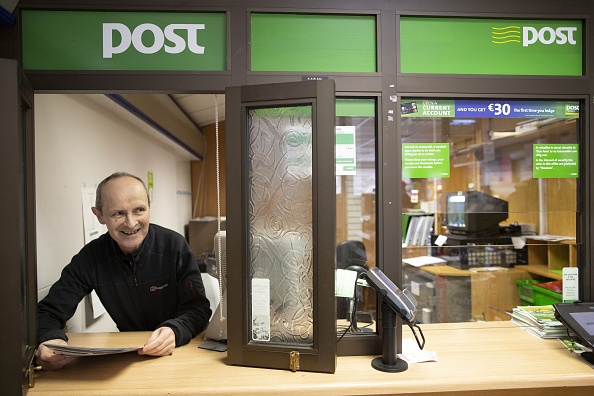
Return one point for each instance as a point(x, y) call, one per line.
point(555, 160)
point(434, 45)
point(313, 43)
point(355, 107)
point(88, 40)
point(425, 160)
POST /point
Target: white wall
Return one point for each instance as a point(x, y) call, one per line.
point(79, 140)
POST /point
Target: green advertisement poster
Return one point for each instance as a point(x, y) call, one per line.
point(346, 150)
point(95, 40)
point(436, 45)
point(555, 160)
point(425, 160)
point(488, 108)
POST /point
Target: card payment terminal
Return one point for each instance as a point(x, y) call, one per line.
point(579, 318)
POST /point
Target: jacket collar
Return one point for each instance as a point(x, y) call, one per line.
point(129, 258)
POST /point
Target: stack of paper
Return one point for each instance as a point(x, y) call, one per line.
point(539, 321)
point(411, 353)
point(68, 350)
point(423, 260)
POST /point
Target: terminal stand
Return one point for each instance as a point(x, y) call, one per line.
point(588, 357)
point(389, 362)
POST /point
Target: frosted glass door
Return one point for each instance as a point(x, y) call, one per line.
point(280, 225)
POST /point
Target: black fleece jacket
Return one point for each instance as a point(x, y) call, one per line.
point(159, 286)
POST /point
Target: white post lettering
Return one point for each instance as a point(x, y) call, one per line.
point(193, 38)
point(108, 48)
point(551, 33)
point(159, 39)
point(561, 37)
point(176, 43)
point(179, 43)
point(527, 30)
point(569, 38)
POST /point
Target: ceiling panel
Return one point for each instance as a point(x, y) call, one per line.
point(200, 108)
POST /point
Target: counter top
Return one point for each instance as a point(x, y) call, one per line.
point(491, 358)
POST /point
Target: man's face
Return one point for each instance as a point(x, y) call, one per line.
point(125, 212)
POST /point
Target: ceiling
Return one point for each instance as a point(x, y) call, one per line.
point(200, 108)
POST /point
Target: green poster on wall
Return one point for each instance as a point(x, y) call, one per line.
point(436, 45)
point(346, 150)
point(555, 160)
point(423, 160)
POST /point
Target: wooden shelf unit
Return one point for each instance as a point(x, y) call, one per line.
point(555, 255)
point(539, 269)
point(543, 258)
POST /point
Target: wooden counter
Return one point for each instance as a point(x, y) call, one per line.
point(487, 358)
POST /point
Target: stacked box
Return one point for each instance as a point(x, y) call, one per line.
point(532, 294)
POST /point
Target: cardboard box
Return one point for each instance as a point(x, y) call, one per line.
point(201, 234)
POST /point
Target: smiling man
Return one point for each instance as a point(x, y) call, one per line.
point(145, 275)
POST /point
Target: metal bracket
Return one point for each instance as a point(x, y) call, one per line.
point(294, 361)
point(31, 374)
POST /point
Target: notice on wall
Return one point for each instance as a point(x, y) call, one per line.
point(150, 185)
point(92, 230)
point(425, 160)
point(555, 160)
point(571, 289)
point(260, 309)
point(346, 151)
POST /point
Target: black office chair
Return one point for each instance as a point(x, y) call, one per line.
point(350, 255)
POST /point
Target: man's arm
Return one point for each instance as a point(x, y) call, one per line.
point(61, 302)
point(193, 305)
point(48, 360)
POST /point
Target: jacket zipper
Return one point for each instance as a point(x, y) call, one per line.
point(134, 265)
point(134, 273)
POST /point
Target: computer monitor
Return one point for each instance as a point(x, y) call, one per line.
point(474, 213)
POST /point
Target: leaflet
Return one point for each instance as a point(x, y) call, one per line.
point(68, 350)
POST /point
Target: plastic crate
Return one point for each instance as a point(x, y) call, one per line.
point(530, 294)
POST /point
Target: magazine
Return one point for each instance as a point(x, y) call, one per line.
point(68, 350)
point(539, 321)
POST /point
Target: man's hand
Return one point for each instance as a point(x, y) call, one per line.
point(160, 343)
point(48, 360)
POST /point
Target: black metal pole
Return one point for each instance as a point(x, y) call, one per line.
point(389, 362)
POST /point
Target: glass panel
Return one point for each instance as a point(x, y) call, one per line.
point(356, 209)
point(281, 225)
point(490, 204)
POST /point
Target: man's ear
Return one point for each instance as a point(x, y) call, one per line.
point(97, 213)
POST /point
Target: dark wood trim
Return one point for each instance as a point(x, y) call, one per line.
point(386, 82)
point(18, 294)
point(321, 356)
